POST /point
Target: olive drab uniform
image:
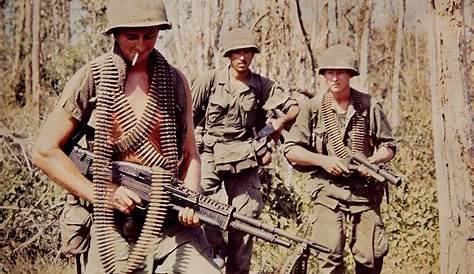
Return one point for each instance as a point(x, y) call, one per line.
point(336, 199)
point(229, 113)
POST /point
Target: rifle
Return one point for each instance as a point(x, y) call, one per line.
point(378, 172)
point(138, 178)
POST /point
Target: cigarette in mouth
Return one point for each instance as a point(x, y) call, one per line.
point(135, 58)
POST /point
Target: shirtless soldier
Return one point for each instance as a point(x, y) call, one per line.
point(135, 107)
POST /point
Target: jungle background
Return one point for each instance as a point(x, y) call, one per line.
point(43, 42)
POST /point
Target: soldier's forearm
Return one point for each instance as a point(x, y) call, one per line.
point(291, 115)
point(59, 168)
point(382, 155)
point(301, 156)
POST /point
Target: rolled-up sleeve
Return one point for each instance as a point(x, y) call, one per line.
point(301, 133)
point(77, 95)
point(380, 129)
point(276, 97)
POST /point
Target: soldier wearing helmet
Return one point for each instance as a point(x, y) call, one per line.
point(329, 128)
point(228, 107)
point(115, 101)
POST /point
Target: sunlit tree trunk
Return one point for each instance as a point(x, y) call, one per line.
point(451, 94)
point(307, 41)
point(364, 43)
point(35, 57)
point(19, 36)
point(2, 23)
point(333, 34)
point(237, 13)
point(27, 49)
point(395, 98)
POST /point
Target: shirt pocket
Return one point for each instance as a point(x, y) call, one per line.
point(248, 109)
point(320, 139)
point(217, 108)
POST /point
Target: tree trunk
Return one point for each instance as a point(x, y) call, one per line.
point(237, 14)
point(395, 111)
point(16, 67)
point(364, 44)
point(27, 49)
point(307, 42)
point(333, 34)
point(65, 33)
point(2, 24)
point(35, 57)
point(453, 134)
point(218, 21)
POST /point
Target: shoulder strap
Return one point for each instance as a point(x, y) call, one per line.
point(212, 79)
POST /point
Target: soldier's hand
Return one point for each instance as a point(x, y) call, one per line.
point(277, 123)
point(187, 217)
point(334, 165)
point(124, 199)
point(363, 170)
point(266, 158)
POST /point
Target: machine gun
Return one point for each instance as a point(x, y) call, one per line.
point(138, 178)
point(378, 172)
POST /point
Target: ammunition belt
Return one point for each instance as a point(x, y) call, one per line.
point(334, 129)
point(109, 74)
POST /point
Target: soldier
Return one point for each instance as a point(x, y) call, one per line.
point(135, 107)
point(329, 128)
point(229, 105)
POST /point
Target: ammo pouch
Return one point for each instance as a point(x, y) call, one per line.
point(75, 223)
point(234, 157)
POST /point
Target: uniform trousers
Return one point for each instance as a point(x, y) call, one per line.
point(241, 190)
point(180, 251)
point(368, 241)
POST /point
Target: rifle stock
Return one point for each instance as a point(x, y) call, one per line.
point(137, 178)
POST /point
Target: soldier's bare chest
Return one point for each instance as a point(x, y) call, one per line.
point(136, 90)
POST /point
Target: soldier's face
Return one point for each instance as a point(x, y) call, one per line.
point(137, 40)
point(241, 59)
point(338, 80)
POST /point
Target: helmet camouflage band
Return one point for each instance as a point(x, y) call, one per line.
point(136, 13)
point(238, 38)
point(338, 57)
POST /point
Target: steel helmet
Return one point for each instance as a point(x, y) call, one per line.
point(338, 57)
point(238, 38)
point(136, 13)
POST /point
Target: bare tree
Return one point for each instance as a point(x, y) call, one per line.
point(35, 57)
point(307, 41)
point(395, 98)
point(237, 14)
point(27, 48)
point(364, 43)
point(333, 34)
point(2, 22)
point(453, 133)
point(18, 46)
